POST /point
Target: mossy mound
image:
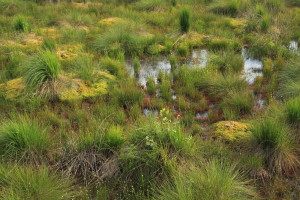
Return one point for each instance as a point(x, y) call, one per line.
point(111, 21)
point(76, 89)
point(12, 89)
point(230, 130)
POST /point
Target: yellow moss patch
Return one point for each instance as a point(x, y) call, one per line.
point(230, 130)
point(105, 75)
point(13, 88)
point(111, 21)
point(69, 51)
point(50, 32)
point(237, 22)
point(76, 89)
point(32, 39)
point(96, 89)
point(80, 5)
point(195, 39)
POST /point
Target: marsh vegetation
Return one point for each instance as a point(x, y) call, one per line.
point(149, 99)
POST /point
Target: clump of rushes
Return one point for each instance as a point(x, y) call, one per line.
point(49, 44)
point(226, 7)
point(42, 72)
point(126, 37)
point(289, 81)
point(165, 87)
point(228, 62)
point(267, 68)
point(185, 20)
point(213, 180)
point(265, 23)
point(219, 85)
point(115, 67)
point(173, 3)
point(173, 61)
point(114, 137)
point(128, 95)
point(236, 104)
point(277, 144)
point(293, 110)
point(21, 182)
point(23, 138)
point(20, 24)
point(136, 65)
point(151, 86)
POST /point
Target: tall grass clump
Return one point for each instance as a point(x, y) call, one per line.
point(228, 62)
point(148, 5)
point(293, 110)
point(128, 95)
point(49, 44)
point(185, 20)
point(20, 24)
point(289, 81)
point(145, 161)
point(127, 37)
point(220, 86)
point(23, 138)
point(226, 7)
point(214, 180)
point(22, 182)
point(42, 72)
point(237, 103)
point(277, 144)
point(151, 86)
point(136, 65)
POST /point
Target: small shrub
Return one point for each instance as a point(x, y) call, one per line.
point(20, 24)
point(277, 144)
point(185, 20)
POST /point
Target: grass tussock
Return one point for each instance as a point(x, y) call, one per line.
point(22, 138)
point(27, 183)
point(213, 180)
point(277, 145)
point(41, 72)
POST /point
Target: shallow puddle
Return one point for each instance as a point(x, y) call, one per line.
point(252, 67)
point(202, 116)
point(198, 58)
point(260, 102)
point(150, 112)
point(293, 46)
point(152, 65)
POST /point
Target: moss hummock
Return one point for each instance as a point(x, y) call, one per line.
point(230, 130)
